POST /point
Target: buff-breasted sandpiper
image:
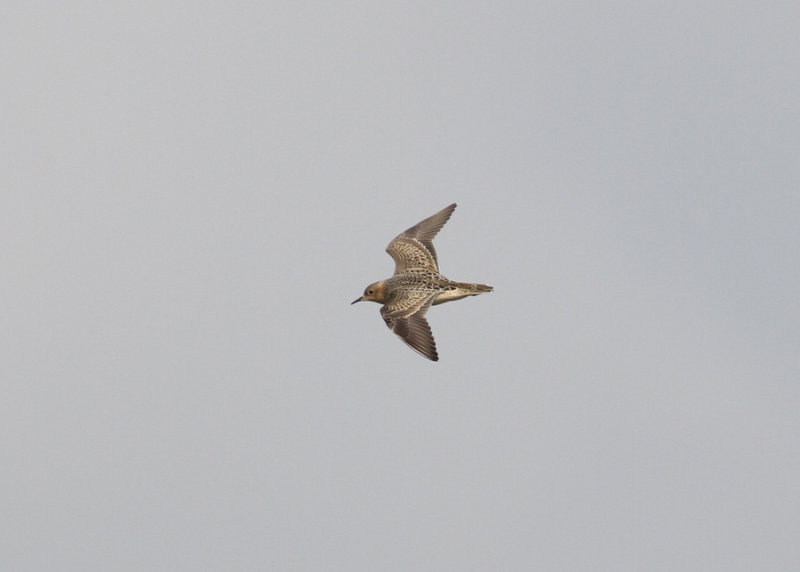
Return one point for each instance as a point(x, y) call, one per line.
point(417, 285)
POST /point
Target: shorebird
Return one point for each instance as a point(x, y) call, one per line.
point(417, 285)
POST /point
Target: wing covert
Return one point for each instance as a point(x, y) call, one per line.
point(413, 248)
point(406, 318)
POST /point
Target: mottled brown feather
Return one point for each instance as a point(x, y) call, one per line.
point(417, 284)
point(405, 316)
point(414, 247)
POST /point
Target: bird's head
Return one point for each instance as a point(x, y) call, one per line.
point(375, 292)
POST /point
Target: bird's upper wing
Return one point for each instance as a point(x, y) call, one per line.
point(414, 247)
point(405, 316)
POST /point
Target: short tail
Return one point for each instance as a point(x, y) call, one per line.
point(470, 289)
point(462, 290)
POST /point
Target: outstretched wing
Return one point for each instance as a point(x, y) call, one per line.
point(405, 316)
point(414, 247)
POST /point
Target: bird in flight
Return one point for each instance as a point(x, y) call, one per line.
point(417, 285)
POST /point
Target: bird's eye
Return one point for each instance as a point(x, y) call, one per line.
point(369, 292)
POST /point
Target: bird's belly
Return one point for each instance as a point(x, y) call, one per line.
point(450, 295)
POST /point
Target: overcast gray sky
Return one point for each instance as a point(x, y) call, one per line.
point(193, 193)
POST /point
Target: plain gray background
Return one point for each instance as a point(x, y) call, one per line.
point(193, 193)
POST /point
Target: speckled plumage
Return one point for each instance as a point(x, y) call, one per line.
point(417, 285)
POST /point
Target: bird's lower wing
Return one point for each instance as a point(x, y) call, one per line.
point(412, 327)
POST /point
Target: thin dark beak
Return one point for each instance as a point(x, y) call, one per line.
point(357, 300)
